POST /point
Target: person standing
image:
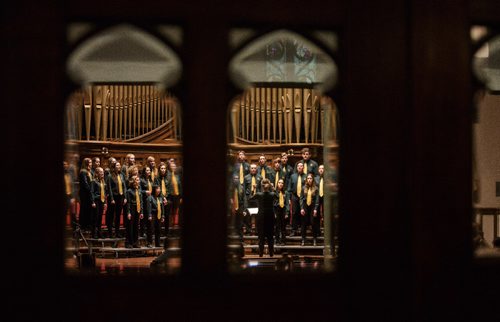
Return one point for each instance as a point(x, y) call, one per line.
point(286, 169)
point(309, 205)
point(241, 167)
point(117, 199)
point(132, 171)
point(69, 193)
point(281, 212)
point(251, 185)
point(265, 217)
point(309, 165)
point(174, 193)
point(295, 189)
point(263, 170)
point(96, 163)
point(109, 169)
point(162, 183)
point(161, 179)
point(155, 213)
point(238, 205)
point(146, 184)
point(99, 196)
point(134, 213)
point(275, 173)
point(129, 161)
point(85, 181)
point(150, 162)
point(320, 183)
point(178, 168)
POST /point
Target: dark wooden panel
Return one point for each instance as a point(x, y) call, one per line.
point(373, 161)
point(282, 12)
point(441, 158)
point(400, 149)
point(485, 12)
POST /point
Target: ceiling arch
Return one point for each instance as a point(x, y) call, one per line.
point(286, 57)
point(124, 53)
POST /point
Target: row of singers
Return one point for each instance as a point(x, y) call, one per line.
point(118, 190)
point(299, 191)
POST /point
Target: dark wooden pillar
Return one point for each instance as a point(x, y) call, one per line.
point(374, 227)
point(441, 156)
point(204, 126)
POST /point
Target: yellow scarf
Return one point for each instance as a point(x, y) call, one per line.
point(176, 187)
point(163, 188)
point(102, 190)
point(241, 173)
point(138, 200)
point(67, 181)
point(299, 185)
point(120, 187)
point(158, 205)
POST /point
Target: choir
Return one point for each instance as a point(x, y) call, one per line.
point(273, 197)
point(143, 200)
point(146, 198)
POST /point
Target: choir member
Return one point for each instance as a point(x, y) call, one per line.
point(174, 189)
point(109, 169)
point(263, 170)
point(320, 182)
point(309, 165)
point(238, 205)
point(85, 180)
point(286, 169)
point(134, 210)
point(147, 189)
point(96, 163)
point(117, 199)
point(251, 184)
point(275, 173)
point(295, 187)
point(99, 194)
point(309, 205)
point(162, 183)
point(155, 213)
point(281, 211)
point(69, 193)
point(133, 171)
point(129, 161)
point(241, 167)
point(151, 163)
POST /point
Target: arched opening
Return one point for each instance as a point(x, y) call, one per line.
point(486, 141)
point(281, 119)
point(123, 152)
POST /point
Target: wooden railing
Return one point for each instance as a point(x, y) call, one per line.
point(123, 113)
point(285, 116)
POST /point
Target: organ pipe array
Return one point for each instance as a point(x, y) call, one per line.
point(265, 115)
point(121, 113)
